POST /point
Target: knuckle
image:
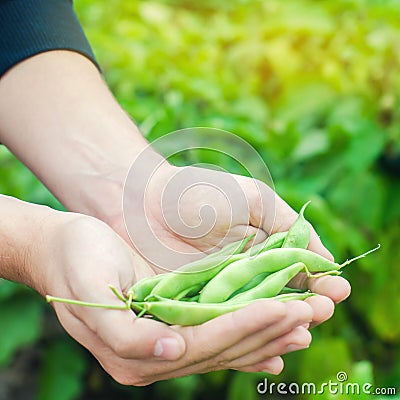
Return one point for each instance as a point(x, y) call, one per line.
point(141, 382)
point(300, 336)
point(301, 310)
point(306, 337)
point(278, 310)
point(132, 380)
point(221, 364)
point(122, 380)
point(122, 347)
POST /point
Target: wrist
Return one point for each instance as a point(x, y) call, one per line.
point(110, 207)
point(81, 142)
point(24, 231)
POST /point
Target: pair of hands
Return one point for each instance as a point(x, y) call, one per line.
point(85, 255)
point(58, 103)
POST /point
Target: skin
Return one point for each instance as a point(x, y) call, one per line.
point(62, 252)
point(81, 144)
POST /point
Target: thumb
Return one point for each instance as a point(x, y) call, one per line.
point(130, 337)
point(121, 331)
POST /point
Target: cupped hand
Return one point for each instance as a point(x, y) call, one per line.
point(194, 211)
point(84, 256)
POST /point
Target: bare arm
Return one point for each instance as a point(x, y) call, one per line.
point(58, 116)
point(23, 230)
point(60, 253)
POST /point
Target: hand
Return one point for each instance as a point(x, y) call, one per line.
point(103, 141)
point(237, 207)
point(83, 256)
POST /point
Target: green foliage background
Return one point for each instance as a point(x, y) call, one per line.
point(314, 87)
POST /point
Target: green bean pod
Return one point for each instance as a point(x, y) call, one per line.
point(238, 273)
point(289, 290)
point(271, 242)
point(141, 289)
point(299, 233)
point(185, 313)
point(251, 284)
point(190, 291)
point(232, 248)
point(271, 285)
point(175, 282)
point(192, 299)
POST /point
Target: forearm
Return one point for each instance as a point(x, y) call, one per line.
point(58, 116)
point(24, 231)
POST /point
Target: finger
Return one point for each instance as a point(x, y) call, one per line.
point(246, 340)
point(137, 338)
point(323, 308)
point(317, 246)
point(273, 214)
point(273, 365)
point(226, 331)
point(230, 329)
point(298, 314)
point(126, 335)
point(334, 287)
point(296, 339)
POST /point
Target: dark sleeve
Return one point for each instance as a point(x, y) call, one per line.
point(29, 27)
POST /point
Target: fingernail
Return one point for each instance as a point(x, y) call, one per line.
point(167, 348)
point(273, 366)
point(295, 347)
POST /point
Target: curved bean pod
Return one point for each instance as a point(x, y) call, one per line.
point(237, 274)
point(141, 289)
point(299, 233)
point(271, 242)
point(190, 291)
point(251, 284)
point(271, 285)
point(185, 313)
point(175, 282)
point(232, 248)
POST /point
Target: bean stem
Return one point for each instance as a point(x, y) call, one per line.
point(85, 303)
point(347, 262)
point(115, 291)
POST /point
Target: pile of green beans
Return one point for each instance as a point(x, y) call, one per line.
point(229, 279)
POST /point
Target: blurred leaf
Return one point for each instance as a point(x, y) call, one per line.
point(362, 372)
point(315, 143)
point(20, 324)
point(351, 386)
point(184, 388)
point(8, 288)
point(323, 359)
point(62, 372)
point(243, 386)
point(365, 147)
point(315, 88)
